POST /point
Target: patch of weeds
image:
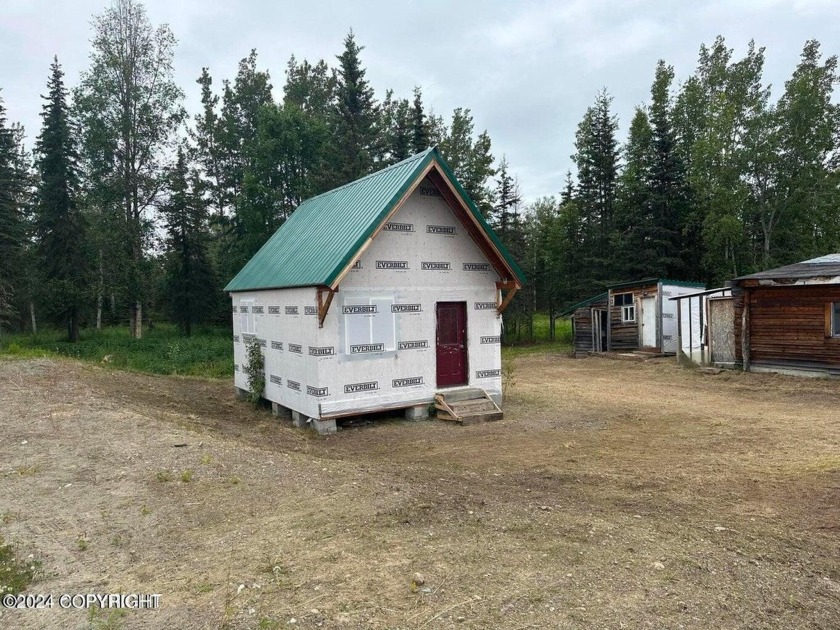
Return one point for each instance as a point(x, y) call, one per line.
point(186, 476)
point(267, 623)
point(508, 374)
point(163, 476)
point(173, 355)
point(6, 518)
point(207, 459)
point(204, 588)
point(117, 540)
point(110, 620)
point(234, 480)
point(145, 511)
point(278, 571)
point(26, 471)
point(15, 574)
point(82, 544)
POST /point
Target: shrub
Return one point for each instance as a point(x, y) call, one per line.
point(255, 370)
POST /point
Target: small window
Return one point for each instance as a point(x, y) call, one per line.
point(246, 317)
point(628, 306)
point(623, 299)
point(835, 319)
point(369, 325)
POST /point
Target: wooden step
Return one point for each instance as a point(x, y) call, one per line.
point(469, 407)
point(466, 393)
point(482, 416)
point(443, 415)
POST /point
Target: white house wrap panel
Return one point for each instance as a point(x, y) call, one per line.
point(669, 314)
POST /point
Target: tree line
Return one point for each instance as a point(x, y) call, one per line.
point(714, 180)
point(130, 208)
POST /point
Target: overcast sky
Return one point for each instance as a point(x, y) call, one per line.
point(527, 70)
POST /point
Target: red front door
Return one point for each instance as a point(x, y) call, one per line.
point(451, 344)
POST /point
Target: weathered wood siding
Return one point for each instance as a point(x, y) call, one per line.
point(788, 326)
point(625, 335)
point(721, 318)
point(582, 319)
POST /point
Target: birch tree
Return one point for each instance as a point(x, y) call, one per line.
point(130, 109)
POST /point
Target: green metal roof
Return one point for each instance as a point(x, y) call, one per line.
point(326, 232)
point(627, 285)
point(592, 300)
point(643, 281)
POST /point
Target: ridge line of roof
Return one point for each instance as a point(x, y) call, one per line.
point(410, 158)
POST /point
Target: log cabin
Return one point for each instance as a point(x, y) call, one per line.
point(788, 319)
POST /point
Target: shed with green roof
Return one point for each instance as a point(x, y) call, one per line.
point(384, 293)
point(633, 315)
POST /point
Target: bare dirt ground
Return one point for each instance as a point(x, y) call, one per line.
point(614, 494)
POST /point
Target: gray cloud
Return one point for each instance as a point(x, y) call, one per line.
point(527, 70)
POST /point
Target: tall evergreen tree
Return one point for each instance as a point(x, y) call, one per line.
point(668, 190)
point(207, 150)
point(12, 229)
point(596, 157)
point(60, 226)
point(394, 129)
point(632, 246)
point(420, 137)
point(356, 113)
point(189, 275)
point(507, 199)
point(242, 102)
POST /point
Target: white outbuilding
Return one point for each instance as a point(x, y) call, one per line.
point(385, 293)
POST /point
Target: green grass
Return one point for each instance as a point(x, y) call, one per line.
point(15, 574)
point(562, 338)
point(208, 352)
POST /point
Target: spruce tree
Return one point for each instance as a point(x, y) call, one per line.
point(668, 186)
point(802, 222)
point(596, 158)
point(61, 229)
point(420, 136)
point(189, 275)
point(356, 115)
point(631, 243)
point(11, 217)
point(506, 201)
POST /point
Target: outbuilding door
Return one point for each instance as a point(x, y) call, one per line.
point(451, 344)
point(721, 316)
point(648, 322)
point(599, 329)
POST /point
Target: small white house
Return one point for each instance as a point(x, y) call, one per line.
point(380, 294)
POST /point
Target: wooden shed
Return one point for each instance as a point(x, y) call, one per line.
point(629, 316)
point(384, 293)
point(788, 319)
